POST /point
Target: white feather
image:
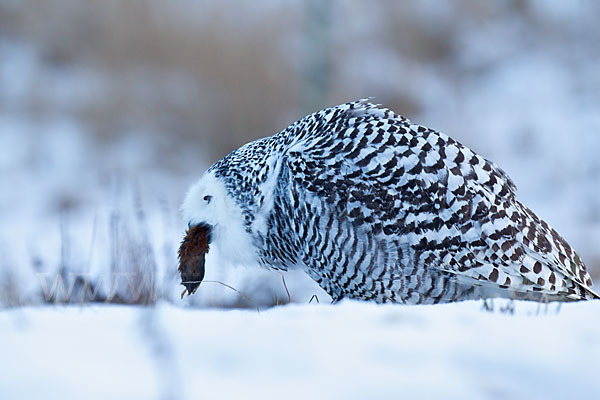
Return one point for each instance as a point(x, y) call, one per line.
point(228, 236)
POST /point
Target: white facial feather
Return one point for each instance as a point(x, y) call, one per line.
point(207, 202)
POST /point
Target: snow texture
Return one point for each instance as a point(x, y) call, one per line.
point(518, 83)
point(317, 351)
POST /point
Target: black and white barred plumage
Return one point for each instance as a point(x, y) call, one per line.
point(374, 207)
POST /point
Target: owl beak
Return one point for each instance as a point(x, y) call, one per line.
point(192, 252)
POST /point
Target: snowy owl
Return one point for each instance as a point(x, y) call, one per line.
point(374, 207)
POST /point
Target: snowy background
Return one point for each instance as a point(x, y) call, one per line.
point(110, 110)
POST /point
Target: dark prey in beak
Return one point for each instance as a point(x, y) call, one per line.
point(192, 251)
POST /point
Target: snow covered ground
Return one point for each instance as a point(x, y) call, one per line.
point(105, 119)
point(347, 351)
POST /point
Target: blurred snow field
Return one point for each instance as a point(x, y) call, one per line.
point(347, 351)
point(109, 111)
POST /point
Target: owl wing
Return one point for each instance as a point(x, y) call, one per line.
point(441, 204)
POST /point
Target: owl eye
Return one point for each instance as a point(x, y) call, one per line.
point(207, 198)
